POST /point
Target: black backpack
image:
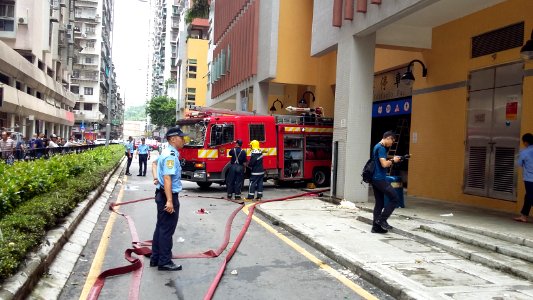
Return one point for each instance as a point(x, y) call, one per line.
point(368, 169)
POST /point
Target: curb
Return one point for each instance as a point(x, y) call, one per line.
point(19, 285)
point(394, 290)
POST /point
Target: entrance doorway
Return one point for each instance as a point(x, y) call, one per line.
point(393, 115)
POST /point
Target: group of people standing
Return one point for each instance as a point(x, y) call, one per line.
point(238, 163)
point(142, 152)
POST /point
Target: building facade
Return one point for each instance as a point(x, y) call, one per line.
point(93, 75)
point(466, 114)
point(35, 67)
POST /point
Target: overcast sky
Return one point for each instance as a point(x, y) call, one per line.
point(130, 49)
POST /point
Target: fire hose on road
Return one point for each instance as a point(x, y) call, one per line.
point(142, 247)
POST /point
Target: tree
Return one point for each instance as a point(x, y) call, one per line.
point(199, 9)
point(135, 113)
point(162, 111)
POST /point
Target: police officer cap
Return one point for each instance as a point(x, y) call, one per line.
point(239, 142)
point(175, 131)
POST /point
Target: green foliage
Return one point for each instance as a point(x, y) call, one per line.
point(25, 226)
point(162, 111)
point(135, 113)
point(199, 9)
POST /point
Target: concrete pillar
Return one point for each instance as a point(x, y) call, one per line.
point(12, 123)
point(353, 113)
point(238, 100)
point(24, 128)
point(260, 97)
point(32, 127)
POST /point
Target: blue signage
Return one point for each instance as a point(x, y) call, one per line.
point(391, 108)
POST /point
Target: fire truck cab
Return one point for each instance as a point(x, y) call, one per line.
point(295, 148)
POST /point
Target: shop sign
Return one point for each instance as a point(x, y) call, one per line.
point(391, 108)
point(388, 86)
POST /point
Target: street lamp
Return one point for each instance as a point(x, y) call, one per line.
point(273, 107)
point(408, 77)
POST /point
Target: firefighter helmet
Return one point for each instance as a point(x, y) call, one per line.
point(254, 144)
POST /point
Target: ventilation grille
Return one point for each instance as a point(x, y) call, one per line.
point(504, 170)
point(498, 40)
point(476, 168)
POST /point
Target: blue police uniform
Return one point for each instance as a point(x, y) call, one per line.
point(129, 154)
point(167, 164)
point(142, 150)
point(236, 172)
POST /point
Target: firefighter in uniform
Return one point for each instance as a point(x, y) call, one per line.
point(168, 181)
point(236, 171)
point(257, 172)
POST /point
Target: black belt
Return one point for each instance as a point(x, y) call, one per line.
point(158, 190)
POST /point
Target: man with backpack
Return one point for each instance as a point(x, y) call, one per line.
point(381, 186)
point(236, 171)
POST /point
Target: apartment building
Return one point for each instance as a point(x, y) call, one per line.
point(35, 66)
point(166, 24)
point(93, 75)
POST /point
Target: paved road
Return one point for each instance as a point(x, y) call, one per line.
point(267, 267)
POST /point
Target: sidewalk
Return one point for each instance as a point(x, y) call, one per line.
point(430, 254)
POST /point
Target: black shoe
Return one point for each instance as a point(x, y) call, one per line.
point(169, 267)
point(237, 197)
point(378, 229)
point(384, 224)
point(153, 263)
point(139, 175)
point(128, 174)
point(144, 175)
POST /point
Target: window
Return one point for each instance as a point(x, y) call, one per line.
point(87, 90)
point(88, 60)
point(77, 106)
point(75, 89)
point(192, 69)
point(192, 61)
point(191, 90)
point(7, 17)
point(191, 75)
point(222, 134)
point(89, 44)
point(257, 132)
point(87, 106)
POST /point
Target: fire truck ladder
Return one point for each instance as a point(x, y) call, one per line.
point(221, 111)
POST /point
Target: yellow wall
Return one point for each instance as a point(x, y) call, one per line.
point(296, 68)
point(439, 118)
point(197, 49)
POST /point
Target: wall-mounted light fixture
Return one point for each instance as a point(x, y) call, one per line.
point(302, 103)
point(527, 51)
point(408, 77)
point(273, 107)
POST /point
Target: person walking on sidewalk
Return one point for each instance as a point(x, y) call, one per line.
point(236, 171)
point(143, 154)
point(257, 172)
point(380, 185)
point(525, 160)
point(129, 154)
point(168, 183)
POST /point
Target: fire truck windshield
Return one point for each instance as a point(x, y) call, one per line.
point(196, 132)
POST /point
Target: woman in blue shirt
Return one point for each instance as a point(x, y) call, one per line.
point(525, 160)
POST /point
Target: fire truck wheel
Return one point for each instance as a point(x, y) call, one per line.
point(320, 177)
point(204, 185)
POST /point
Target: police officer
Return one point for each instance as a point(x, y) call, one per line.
point(144, 155)
point(236, 171)
point(129, 154)
point(168, 181)
point(257, 171)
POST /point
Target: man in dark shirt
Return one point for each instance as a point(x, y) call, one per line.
point(236, 171)
point(380, 185)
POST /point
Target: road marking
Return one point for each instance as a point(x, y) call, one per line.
point(347, 282)
point(98, 261)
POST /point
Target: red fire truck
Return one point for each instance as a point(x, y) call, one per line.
point(296, 148)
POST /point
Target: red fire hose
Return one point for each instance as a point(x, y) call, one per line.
point(141, 248)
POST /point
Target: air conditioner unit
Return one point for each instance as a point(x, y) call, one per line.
point(23, 21)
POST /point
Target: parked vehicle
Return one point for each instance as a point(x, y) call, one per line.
point(296, 148)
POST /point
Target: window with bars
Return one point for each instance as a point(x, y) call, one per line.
point(87, 90)
point(7, 16)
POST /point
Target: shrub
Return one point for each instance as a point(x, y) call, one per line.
point(29, 218)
